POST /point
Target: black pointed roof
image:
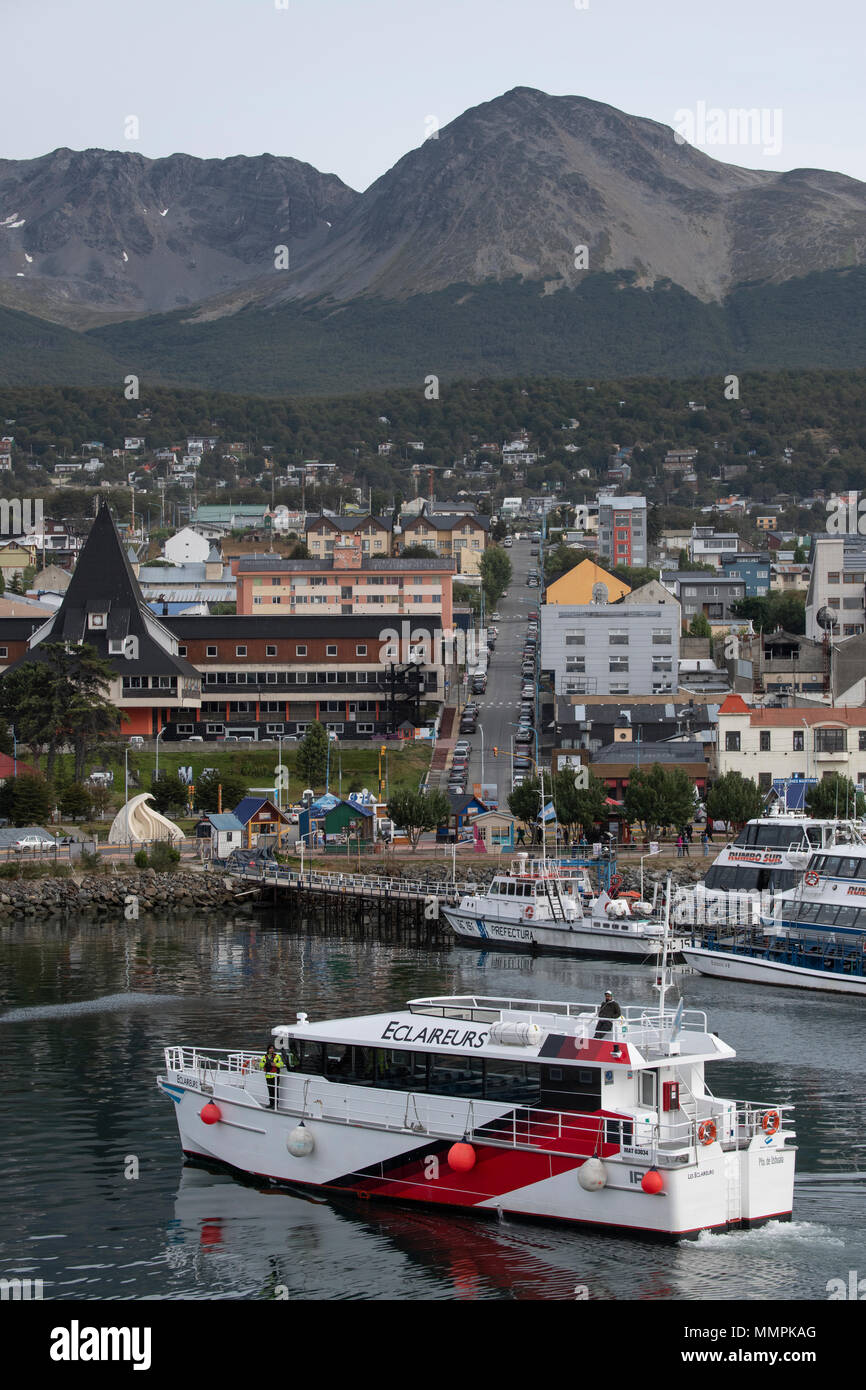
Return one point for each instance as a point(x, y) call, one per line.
point(103, 584)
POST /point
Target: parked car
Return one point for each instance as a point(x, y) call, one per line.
point(496, 616)
point(32, 842)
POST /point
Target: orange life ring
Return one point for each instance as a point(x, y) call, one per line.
point(707, 1132)
point(771, 1121)
point(530, 912)
point(245, 1067)
point(811, 878)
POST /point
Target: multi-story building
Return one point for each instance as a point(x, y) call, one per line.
point(702, 593)
point(770, 744)
point(586, 583)
point(103, 608)
point(622, 529)
point(750, 566)
point(454, 536)
point(610, 648)
point(838, 582)
point(345, 582)
point(710, 547)
point(373, 534)
point(266, 676)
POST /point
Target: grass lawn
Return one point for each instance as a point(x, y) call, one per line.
point(405, 763)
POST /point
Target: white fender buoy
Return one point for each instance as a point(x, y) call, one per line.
point(300, 1142)
point(592, 1175)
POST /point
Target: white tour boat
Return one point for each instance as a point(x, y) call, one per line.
point(536, 906)
point(813, 937)
point(768, 856)
point(498, 1106)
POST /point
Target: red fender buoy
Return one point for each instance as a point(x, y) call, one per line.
point(652, 1182)
point(461, 1157)
point(210, 1114)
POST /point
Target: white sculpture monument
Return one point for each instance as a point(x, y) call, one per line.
point(137, 823)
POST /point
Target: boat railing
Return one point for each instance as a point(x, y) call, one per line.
point(576, 1018)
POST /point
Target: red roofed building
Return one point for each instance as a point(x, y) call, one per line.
point(766, 744)
point(10, 768)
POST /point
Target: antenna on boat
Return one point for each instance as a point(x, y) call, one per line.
point(543, 822)
point(664, 983)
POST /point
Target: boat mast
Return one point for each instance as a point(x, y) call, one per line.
point(664, 982)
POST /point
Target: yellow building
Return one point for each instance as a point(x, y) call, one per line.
point(583, 584)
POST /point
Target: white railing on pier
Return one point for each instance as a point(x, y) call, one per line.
point(355, 883)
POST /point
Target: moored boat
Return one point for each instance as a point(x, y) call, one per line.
point(533, 1108)
point(536, 906)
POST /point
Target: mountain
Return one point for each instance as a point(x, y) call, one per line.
point(459, 261)
point(100, 233)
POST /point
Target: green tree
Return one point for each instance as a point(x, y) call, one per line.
point(416, 811)
point(574, 805)
point(75, 801)
point(735, 799)
point(495, 570)
point(312, 757)
point(207, 793)
point(524, 801)
point(835, 796)
point(60, 698)
point(700, 626)
point(26, 800)
point(659, 796)
point(169, 793)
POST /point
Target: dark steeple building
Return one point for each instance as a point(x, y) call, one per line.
point(103, 608)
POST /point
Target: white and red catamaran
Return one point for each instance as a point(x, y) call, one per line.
point(523, 1107)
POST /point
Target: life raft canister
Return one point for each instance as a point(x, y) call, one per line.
point(771, 1121)
point(707, 1132)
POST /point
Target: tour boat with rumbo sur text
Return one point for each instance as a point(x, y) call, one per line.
point(546, 1110)
point(813, 937)
point(537, 906)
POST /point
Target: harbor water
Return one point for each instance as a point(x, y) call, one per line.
point(99, 1205)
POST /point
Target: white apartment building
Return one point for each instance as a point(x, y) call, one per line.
point(838, 582)
point(766, 744)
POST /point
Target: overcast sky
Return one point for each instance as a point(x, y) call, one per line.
point(349, 85)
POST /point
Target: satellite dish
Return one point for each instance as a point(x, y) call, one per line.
point(599, 593)
point(826, 618)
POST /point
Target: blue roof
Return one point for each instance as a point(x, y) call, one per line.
point(226, 821)
point(246, 809)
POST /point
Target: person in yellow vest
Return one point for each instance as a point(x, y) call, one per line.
point(271, 1064)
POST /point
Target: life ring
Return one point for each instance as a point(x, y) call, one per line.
point(615, 880)
point(530, 912)
point(245, 1067)
point(707, 1132)
point(811, 878)
point(770, 1122)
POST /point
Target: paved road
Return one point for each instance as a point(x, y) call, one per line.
point(500, 705)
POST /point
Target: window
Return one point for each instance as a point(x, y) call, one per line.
point(862, 740)
point(240, 651)
point(211, 651)
point(270, 651)
point(647, 1089)
point(364, 728)
point(576, 663)
point(800, 740)
point(275, 728)
point(575, 639)
point(361, 650)
point(833, 577)
point(181, 651)
point(300, 651)
point(215, 728)
point(331, 651)
point(732, 742)
point(618, 663)
point(661, 637)
point(764, 740)
point(830, 741)
point(185, 728)
point(618, 637)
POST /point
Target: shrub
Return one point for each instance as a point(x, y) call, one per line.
point(164, 857)
point(140, 859)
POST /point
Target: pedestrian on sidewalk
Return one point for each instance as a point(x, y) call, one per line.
point(679, 847)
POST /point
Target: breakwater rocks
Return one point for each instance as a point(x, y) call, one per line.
point(118, 895)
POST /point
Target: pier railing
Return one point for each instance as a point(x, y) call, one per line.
point(334, 882)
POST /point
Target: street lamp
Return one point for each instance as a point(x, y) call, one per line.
point(126, 789)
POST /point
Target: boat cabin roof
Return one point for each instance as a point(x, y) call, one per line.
point(564, 1033)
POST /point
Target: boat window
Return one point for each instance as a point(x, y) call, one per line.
point(833, 868)
point(813, 835)
point(338, 1061)
point(513, 1081)
point(817, 863)
point(312, 1056)
point(647, 1088)
point(782, 879)
point(827, 914)
point(570, 1088)
point(512, 890)
point(849, 866)
point(861, 872)
point(394, 1070)
point(846, 917)
point(456, 1076)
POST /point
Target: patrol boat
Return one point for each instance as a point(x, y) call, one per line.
point(538, 906)
point(518, 1107)
point(813, 937)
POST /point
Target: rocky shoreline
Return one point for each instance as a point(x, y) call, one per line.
point(123, 895)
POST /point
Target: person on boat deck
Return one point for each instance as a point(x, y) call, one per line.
point(607, 1011)
point(271, 1064)
point(289, 1058)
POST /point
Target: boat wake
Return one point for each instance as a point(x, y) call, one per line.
point(107, 1004)
point(769, 1237)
